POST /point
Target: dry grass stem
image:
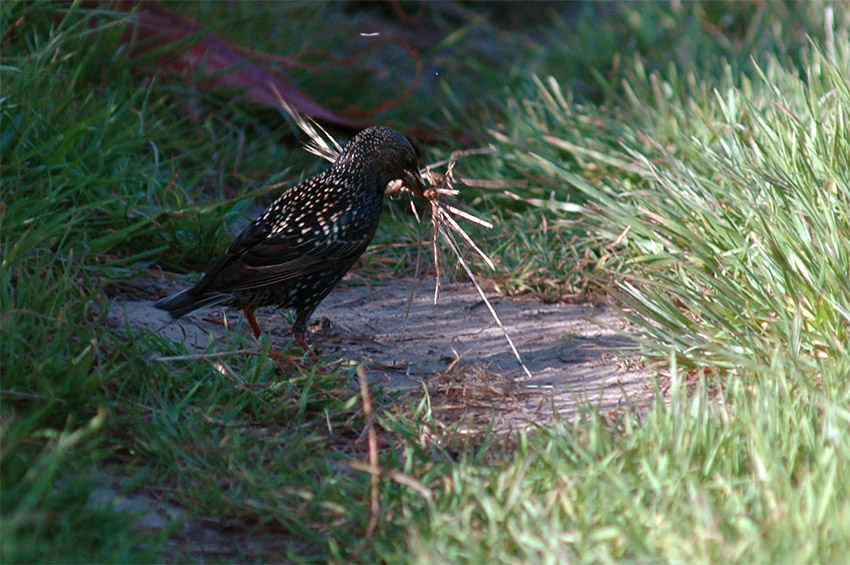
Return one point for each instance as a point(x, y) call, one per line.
point(458, 154)
point(395, 476)
point(413, 287)
point(375, 501)
point(449, 238)
point(206, 356)
point(471, 401)
point(320, 142)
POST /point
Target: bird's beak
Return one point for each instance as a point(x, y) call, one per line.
point(415, 183)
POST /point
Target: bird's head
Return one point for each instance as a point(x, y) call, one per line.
point(385, 153)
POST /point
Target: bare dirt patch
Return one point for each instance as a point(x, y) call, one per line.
point(578, 354)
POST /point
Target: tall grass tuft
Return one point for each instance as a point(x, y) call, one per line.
point(736, 198)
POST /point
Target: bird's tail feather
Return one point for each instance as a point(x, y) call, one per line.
point(182, 303)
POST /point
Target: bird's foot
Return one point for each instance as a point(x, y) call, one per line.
point(302, 343)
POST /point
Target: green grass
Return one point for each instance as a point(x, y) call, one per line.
point(737, 204)
point(730, 167)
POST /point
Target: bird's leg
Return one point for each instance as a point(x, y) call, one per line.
point(252, 321)
point(302, 343)
point(298, 329)
point(255, 327)
point(298, 337)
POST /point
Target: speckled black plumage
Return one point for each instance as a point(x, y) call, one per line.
point(293, 254)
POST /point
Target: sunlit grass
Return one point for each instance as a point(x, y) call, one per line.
point(736, 204)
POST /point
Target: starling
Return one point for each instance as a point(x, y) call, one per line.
point(293, 254)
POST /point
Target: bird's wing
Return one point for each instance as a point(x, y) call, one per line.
point(276, 260)
point(266, 265)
